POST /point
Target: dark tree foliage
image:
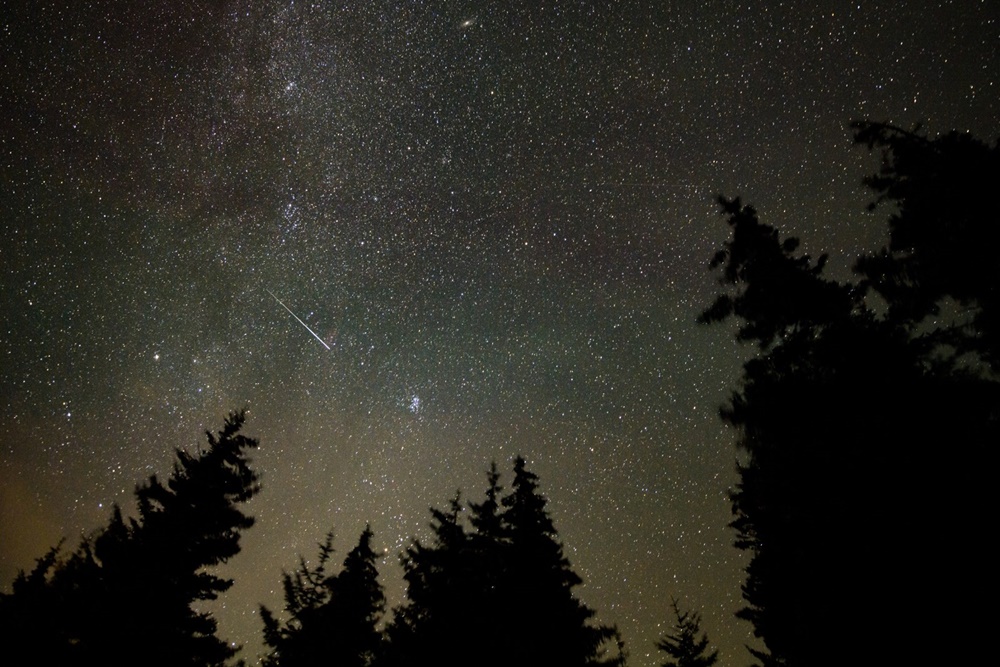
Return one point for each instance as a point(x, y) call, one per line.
point(443, 598)
point(867, 444)
point(683, 645)
point(943, 234)
point(498, 594)
point(332, 618)
point(129, 594)
point(781, 295)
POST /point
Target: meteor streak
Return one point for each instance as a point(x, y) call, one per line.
point(321, 341)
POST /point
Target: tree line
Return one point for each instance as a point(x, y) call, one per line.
point(867, 422)
point(492, 586)
point(493, 589)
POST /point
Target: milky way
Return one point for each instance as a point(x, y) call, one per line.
point(495, 217)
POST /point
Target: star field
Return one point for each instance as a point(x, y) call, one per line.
point(415, 237)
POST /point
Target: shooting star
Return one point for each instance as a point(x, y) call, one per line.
point(315, 335)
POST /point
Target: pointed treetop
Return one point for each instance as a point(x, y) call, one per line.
point(683, 645)
point(485, 516)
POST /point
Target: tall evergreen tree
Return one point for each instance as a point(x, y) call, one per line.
point(553, 627)
point(332, 619)
point(438, 620)
point(129, 594)
point(862, 432)
point(683, 645)
point(498, 594)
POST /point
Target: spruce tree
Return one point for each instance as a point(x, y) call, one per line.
point(548, 624)
point(130, 594)
point(332, 618)
point(436, 621)
point(866, 423)
point(500, 593)
point(942, 236)
point(683, 646)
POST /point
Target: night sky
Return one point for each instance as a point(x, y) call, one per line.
point(492, 223)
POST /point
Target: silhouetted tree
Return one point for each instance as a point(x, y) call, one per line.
point(943, 234)
point(128, 595)
point(861, 434)
point(442, 597)
point(33, 624)
point(552, 626)
point(499, 594)
point(781, 296)
point(332, 619)
point(683, 645)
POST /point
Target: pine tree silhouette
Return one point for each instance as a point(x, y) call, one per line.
point(683, 645)
point(332, 618)
point(863, 429)
point(498, 594)
point(127, 595)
